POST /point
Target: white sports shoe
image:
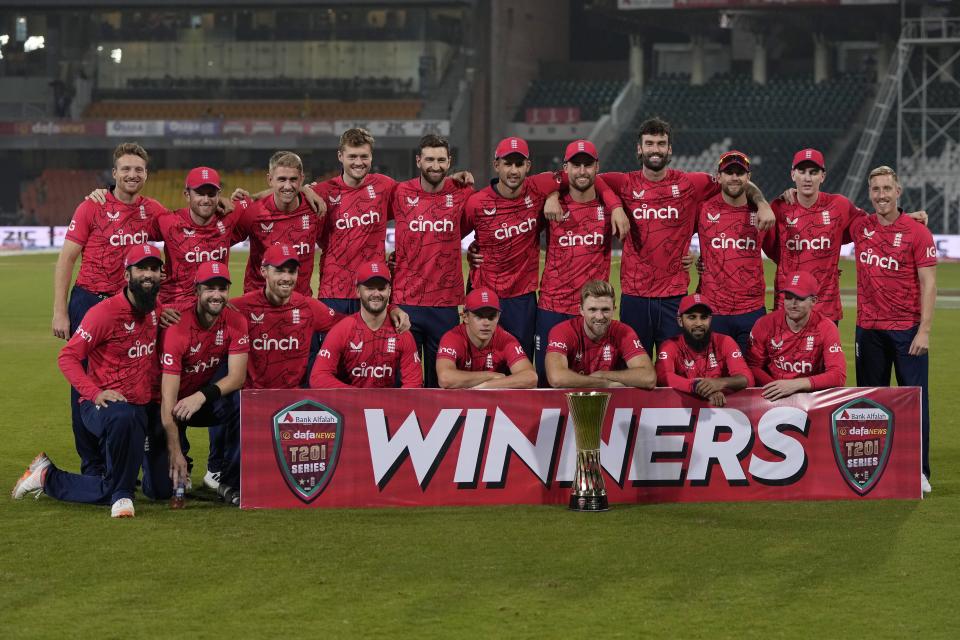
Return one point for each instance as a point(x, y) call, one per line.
point(211, 480)
point(122, 508)
point(32, 479)
point(925, 484)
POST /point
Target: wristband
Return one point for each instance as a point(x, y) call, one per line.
point(211, 392)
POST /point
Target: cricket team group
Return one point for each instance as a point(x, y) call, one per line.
point(156, 343)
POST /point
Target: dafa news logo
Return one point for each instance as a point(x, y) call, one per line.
point(862, 433)
point(307, 438)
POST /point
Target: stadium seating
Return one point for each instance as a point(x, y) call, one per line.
point(593, 97)
point(274, 110)
point(54, 195)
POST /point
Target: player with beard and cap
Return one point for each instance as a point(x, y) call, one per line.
point(194, 389)
point(365, 349)
point(578, 247)
point(663, 204)
point(117, 338)
point(699, 360)
point(479, 354)
point(595, 350)
point(428, 271)
point(731, 264)
point(796, 348)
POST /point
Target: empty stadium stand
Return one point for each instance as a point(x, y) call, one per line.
point(273, 110)
point(593, 97)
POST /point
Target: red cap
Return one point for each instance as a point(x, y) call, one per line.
point(801, 284)
point(278, 255)
point(510, 146)
point(734, 158)
point(580, 146)
point(370, 270)
point(808, 155)
point(482, 298)
point(212, 270)
point(140, 252)
point(691, 301)
point(201, 176)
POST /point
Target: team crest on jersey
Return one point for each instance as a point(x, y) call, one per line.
point(713, 217)
point(490, 212)
point(296, 316)
point(153, 317)
point(675, 190)
point(792, 222)
point(305, 221)
point(753, 219)
point(391, 345)
point(607, 353)
point(371, 192)
point(897, 239)
point(267, 227)
point(113, 215)
point(195, 348)
point(600, 213)
point(220, 227)
point(413, 201)
point(335, 199)
point(825, 215)
point(809, 346)
point(712, 358)
point(130, 327)
point(448, 201)
point(489, 364)
point(143, 212)
point(307, 437)
point(356, 346)
point(218, 338)
point(862, 436)
point(527, 200)
point(776, 344)
point(256, 319)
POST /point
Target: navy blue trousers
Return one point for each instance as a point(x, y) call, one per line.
point(654, 319)
point(737, 326)
point(428, 324)
point(519, 317)
point(546, 320)
point(88, 445)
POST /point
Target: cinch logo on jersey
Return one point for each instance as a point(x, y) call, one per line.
point(214, 255)
point(931, 252)
point(325, 353)
point(447, 351)
point(558, 345)
point(266, 343)
point(140, 349)
point(643, 212)
point(870, 258)
point(83, 333)
point(364, 219)
point(371, 371)
point(577, 240)
point(723, 242)
point(796, 243)
point(509, 231)
point(167, 360)
point(436, 226)
point(835, 348)
point(121, 239)
point(793, 367)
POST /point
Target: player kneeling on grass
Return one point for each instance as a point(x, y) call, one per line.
point(796, 349)
point(595, 350)
point(700, 361)
point(480, 354)
point(367, 349)
point(204, 364)
point(117, 338)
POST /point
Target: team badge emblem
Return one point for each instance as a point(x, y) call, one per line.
point(862, 436)
point(307, 438)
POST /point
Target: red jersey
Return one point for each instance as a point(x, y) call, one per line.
point(809, 239)
point(888, 257)
point(195, 353)
point(354, 231)
point(104, 231)
point(662, 216)
point(578, 250)
point(777, 353)
point(584, 355)
point(680, 366)
point(499, 355)
point(280, 337)
point(429, 269)
point(185, 245)
point(732, 278)
point(264, 224)
point(120, 347)
point(353, 355)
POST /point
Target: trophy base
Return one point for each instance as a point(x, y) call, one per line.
point(589, 503)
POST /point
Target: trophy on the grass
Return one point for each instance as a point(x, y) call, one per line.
point(587, 409)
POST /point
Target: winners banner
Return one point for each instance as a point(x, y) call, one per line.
point(411, 447)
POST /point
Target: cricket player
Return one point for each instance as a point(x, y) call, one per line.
point(117, 338)
point(595, 350)
point(732, 266)
point(796, 348)
point(479, 354)
point(100, 234)
point(896, 293)
point(699, 360)
point(578, 247)
point(366, 350)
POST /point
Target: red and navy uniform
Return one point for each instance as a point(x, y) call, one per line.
point(186, 244)
point(778, 353)
point(354, 355)
point(680, 366)
point(585, 355)
point(502, 352)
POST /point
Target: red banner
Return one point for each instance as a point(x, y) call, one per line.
point(405, 447)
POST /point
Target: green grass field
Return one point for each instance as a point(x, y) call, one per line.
point(816, 569)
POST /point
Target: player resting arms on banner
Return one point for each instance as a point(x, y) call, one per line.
point(730, 260)
point(595, 350)
point(663, 204)
point(117, 339)
point(811, 227)
point(699, 360)
point(366, 350)
point(896, 294)
point(479, 354)
point(795, 348)
point(203, 364)
point(578, 247)
point(428, 268)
